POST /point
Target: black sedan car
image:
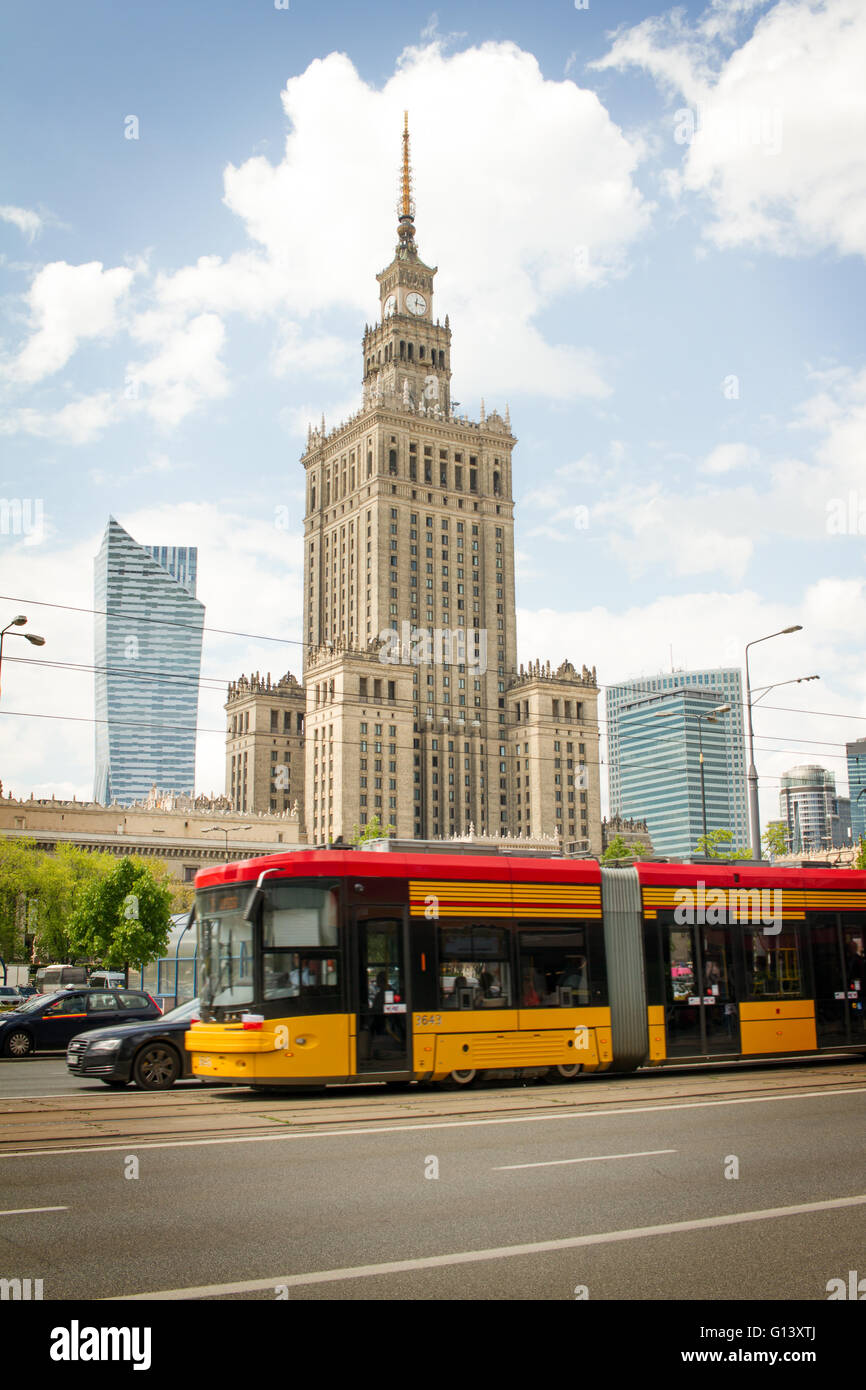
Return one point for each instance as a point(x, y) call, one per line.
point(150, 1054)
point(49, 1021)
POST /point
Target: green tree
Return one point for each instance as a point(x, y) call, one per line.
point(373, 830)
point(719, 844)
point(19, 861)
point(123, 919)
point(618, 850)
point(62, 879)
point(860, 857)
point(775, 839)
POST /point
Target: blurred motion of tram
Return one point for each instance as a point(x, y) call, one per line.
point(341, 966)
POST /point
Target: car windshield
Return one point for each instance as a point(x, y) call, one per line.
point(190, 1009)
point(38, 1000)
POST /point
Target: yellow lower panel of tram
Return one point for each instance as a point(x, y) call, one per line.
point(293, 1048)
point(586, 1043)
point(656, 1026)
point(778, 1025)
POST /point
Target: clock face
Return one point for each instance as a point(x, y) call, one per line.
point(416, 303)
point(390, 305)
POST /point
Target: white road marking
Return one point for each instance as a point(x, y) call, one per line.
point(596, 1158)
point(504, 1252)
point(408, 1129)
point(29, 1211)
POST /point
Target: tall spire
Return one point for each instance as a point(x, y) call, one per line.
point(406, 207)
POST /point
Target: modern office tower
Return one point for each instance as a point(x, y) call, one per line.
point(148, 664)
point(416, 711)
point(856, 756)
point(633, 788)
point(265, 745)
point(809, 807)
point(660, 741)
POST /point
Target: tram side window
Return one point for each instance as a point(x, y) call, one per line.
point(553, 969)
point(773, 969)
point(300, 916)
point(474, 967)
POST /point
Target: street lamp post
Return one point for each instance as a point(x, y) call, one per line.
point(30, 636)
point(225, 830)
point(752, 775)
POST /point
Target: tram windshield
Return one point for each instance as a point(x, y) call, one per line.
point(226, 949)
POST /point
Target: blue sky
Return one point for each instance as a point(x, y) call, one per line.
point(650, 229)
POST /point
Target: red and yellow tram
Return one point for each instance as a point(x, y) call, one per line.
point(349, 966)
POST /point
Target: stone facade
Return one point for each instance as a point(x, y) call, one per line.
point(185, 840)
point(629, 829)
point(265, 745)
point(415, 708)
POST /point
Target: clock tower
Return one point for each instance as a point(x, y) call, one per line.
point(416, 711)
point(408, 354)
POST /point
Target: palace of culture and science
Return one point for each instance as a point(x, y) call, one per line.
point(411, 706)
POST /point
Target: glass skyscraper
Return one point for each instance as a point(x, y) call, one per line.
point(653, 750)
point(148, 663)
point(856, 755)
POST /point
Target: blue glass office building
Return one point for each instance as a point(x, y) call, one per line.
point(654, 736)
point(148, 664)
point(856, 756)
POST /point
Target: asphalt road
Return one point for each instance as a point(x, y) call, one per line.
point(47, 1075)
point(629, 1202)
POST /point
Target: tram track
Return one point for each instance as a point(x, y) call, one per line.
point(86, 1121)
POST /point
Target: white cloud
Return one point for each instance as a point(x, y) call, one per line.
point(531, 229)
point(185, 372)
point(727, 458)
point(80, 422)
point(29, 223)
point(68, 304)
point(523, 218)
point(775, 130)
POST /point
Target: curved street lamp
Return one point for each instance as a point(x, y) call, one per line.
point(31, 637)
point(224, 830)
point(752, 774)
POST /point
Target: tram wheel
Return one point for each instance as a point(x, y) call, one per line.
point(465, 1078)
point(565, 1073)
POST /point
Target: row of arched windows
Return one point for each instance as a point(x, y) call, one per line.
point(406, 352)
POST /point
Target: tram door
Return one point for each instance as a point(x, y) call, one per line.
point(382, 1003)
point(701, 1012)
point(840, 978)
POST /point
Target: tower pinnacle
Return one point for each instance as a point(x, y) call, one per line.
point(406, 206)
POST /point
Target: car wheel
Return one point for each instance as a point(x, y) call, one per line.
point(115, 1084)
point(156, 1067)
point(565, 1073)
point(465, 1078)
point(18, 1044)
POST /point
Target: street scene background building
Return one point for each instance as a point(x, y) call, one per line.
point(148, 636)
point(416, 711)
point(656, 727)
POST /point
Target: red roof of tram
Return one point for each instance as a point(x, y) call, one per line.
point(368, 864)
point(493, 868)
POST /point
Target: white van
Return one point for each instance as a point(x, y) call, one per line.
point(108, 979)
point(52, 977)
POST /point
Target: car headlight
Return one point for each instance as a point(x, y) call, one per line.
point(105, 1045)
